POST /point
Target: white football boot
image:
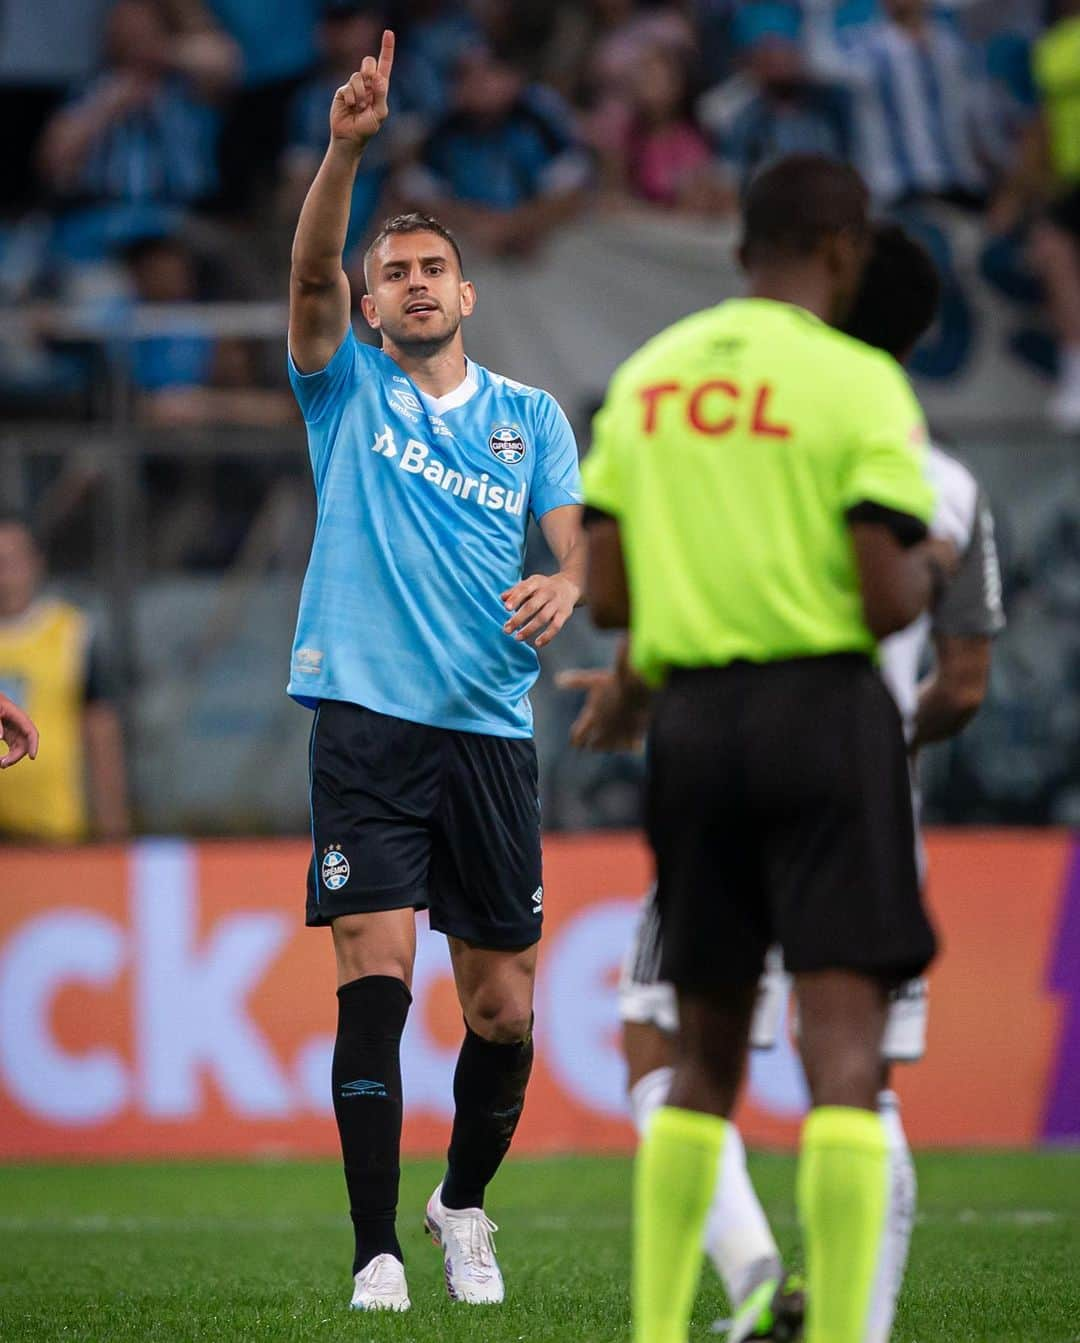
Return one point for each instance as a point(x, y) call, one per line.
point(381, 1285)
point(472, 1271)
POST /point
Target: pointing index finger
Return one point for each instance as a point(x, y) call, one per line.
point(386, 54)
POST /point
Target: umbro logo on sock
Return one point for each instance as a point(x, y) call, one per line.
point(363, 1088)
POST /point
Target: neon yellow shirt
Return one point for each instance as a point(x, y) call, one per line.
point(43, 666)
point(729, 449)
point(1056, 65)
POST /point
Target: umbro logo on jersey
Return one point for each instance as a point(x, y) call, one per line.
point(406, 403)
point(507, 443)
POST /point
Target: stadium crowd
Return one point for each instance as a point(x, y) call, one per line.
point(160, 152)
point(162, 149)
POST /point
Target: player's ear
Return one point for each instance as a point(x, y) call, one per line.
point(468, 297)
point(371, 315)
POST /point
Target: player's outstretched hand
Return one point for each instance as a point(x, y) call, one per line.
point(18, 731)
point(611, 719)
point(540, 606)
point(359, 107)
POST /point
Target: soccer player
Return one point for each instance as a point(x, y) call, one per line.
point(759, 523)
point(412, 647)
point(17, 733)
point(897, 301)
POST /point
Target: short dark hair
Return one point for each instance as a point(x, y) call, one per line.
point(413, 222)
point(898, 295)
point(795, 203)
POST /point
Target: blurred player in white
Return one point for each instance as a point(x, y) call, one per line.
point(897, 303)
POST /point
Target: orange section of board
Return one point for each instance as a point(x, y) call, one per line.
point(165, 999)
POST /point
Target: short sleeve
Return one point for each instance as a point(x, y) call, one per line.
point(98, 681)
point(601, 474)
point(886, 461)
point(319, 392)
point(970, 607)
point(557, 478)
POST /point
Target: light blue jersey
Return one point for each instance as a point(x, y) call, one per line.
point(423, 505)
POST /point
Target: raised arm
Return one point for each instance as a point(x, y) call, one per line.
point(318, 288)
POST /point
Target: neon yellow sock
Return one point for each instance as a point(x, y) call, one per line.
point(843, 1198)
point(674, 1178)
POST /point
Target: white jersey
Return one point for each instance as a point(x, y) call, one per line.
point(971, 603)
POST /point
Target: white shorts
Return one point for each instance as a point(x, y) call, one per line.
point(646, 999)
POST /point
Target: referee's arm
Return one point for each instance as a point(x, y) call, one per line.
point(606, 591)
point(887, 500)
point(898, 580)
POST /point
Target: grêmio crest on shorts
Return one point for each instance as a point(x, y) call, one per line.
point(422, 510)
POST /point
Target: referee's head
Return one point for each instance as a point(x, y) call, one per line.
point(806, 229)
point(898, 295)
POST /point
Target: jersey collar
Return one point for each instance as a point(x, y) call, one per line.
point(464, 391)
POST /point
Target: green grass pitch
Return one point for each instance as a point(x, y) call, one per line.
point(235, 1251)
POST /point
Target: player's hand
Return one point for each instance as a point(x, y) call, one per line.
point(359, 107)
point(540, 606)
point(611, 719)
point(18, 732)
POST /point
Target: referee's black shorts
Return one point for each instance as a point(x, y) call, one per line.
point(779, 808)
point(404, 815)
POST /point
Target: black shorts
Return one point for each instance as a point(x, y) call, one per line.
point(408, 815)
point(779, 808)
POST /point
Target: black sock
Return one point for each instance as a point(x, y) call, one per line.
point(489, 1091)
point(367, 1105)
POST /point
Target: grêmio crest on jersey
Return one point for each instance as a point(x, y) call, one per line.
point(507, 443)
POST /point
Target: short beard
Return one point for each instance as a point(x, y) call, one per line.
point(423, 347)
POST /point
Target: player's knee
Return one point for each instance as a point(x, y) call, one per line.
point(499, 1021)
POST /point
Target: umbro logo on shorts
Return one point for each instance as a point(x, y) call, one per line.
point(538, 900)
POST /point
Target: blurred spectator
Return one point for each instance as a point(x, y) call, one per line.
point(51, 663)
point(191, 377)
point(774, 107)
point(138, 144)
point(924, 121)
point(1048, 170)
point(434, 35)
point(36, 71)
point(623, 33)
point(350, 30)
point(505, 166)
point(648, 145)
point(278, 51)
